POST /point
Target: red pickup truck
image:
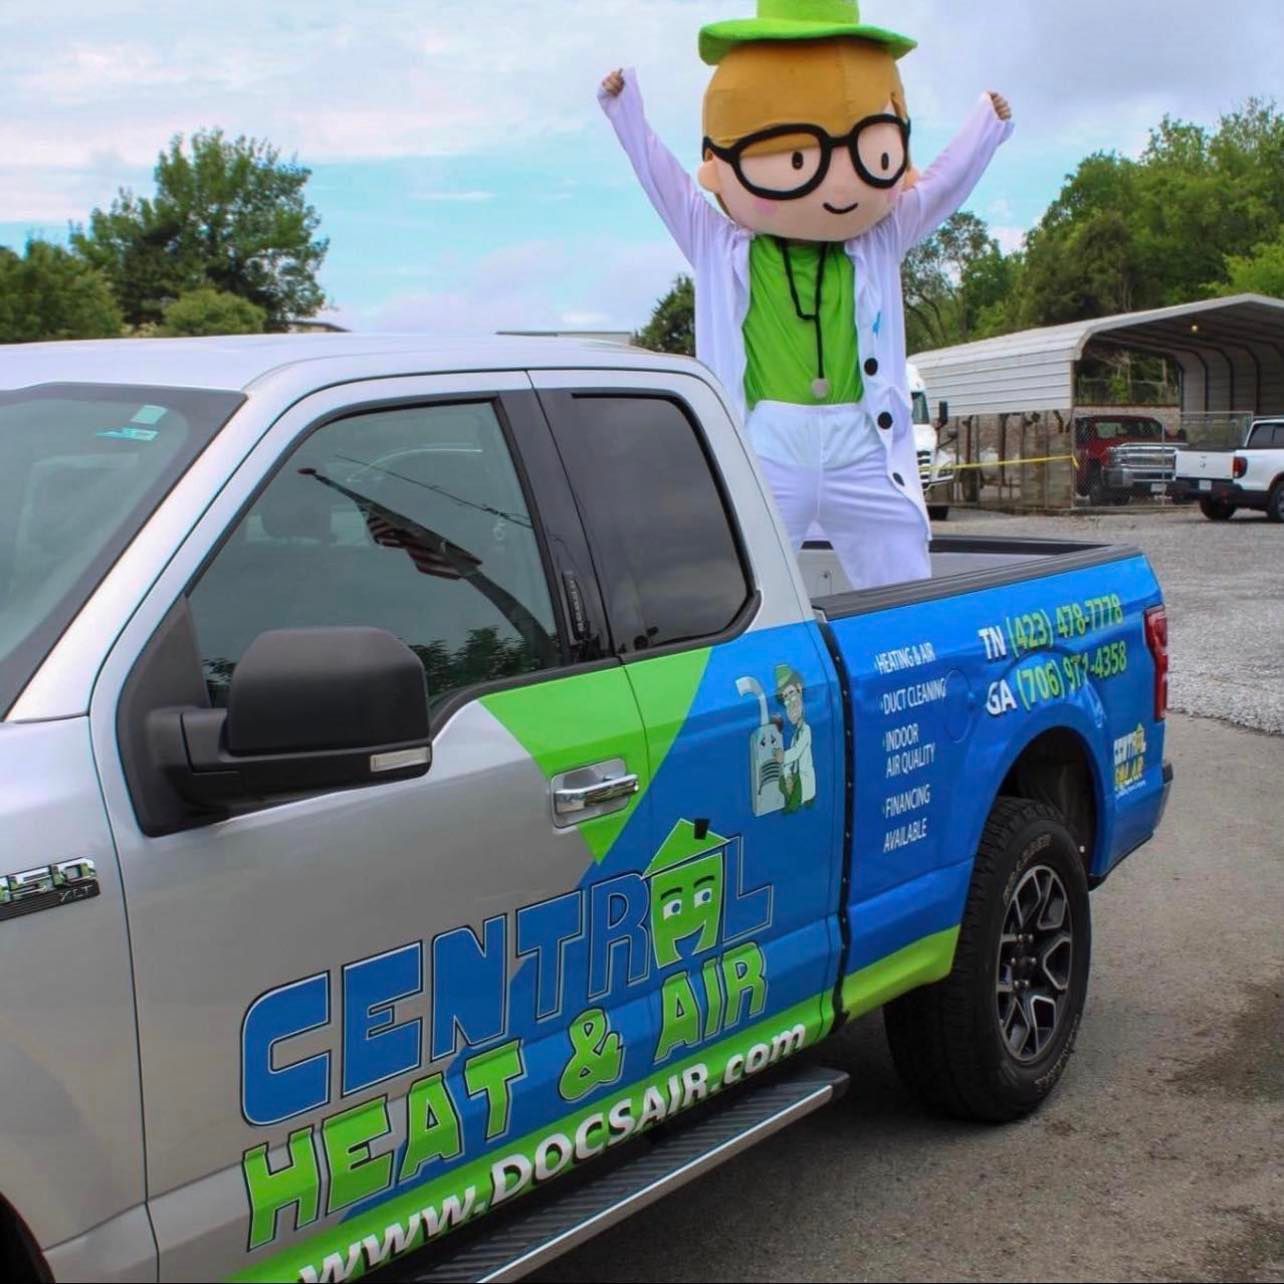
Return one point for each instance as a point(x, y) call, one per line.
point(1119, 456)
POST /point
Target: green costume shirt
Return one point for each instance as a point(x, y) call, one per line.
point(780, 347)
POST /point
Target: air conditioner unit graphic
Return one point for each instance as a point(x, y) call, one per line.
point(766, 740)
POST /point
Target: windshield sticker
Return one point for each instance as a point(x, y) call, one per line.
point(129, 433)
point(149, 414)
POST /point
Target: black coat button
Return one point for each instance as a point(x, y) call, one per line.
point(871, 366)
point(885, 419)
point(898, 479)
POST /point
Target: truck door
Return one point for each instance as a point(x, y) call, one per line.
point(739, 703)
point(350, 1003)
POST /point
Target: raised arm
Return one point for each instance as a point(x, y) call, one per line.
point(949, 180)
point(691, 220)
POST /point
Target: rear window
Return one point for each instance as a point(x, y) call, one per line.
point(666, 550)
point(1266, 437)
point(82, 467)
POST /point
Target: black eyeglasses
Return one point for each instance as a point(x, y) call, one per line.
point(799, 161)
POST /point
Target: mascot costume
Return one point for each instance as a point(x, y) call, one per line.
point(798, 291)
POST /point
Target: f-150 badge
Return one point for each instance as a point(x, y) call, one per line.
point(47, 887)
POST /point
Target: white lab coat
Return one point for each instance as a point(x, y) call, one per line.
point(798, 759)
point(718, 251)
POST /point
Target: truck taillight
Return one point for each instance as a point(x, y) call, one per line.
point(1239, 467)
point(1157, 641)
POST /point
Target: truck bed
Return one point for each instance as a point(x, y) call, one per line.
point(960, 564)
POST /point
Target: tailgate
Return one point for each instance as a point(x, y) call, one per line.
point(1205, 465)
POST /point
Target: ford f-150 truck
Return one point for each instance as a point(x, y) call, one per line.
point(1224, 481)
point(425, 770)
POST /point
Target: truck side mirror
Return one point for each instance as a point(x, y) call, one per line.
point(942, 414)
point(308, 709)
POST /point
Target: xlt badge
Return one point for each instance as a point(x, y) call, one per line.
point(47, 887)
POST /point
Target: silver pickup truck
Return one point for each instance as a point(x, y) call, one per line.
point(425, 769)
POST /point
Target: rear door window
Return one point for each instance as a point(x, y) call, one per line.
point(665, 546)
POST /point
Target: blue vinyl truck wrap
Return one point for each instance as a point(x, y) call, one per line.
point(428, 772)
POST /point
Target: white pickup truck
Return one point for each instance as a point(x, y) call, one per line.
point(1224, 481)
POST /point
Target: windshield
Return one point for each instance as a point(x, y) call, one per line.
point(921, 414)
point(82, 467)
point(1129, 430)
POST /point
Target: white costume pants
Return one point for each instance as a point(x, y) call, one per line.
point(876, 530)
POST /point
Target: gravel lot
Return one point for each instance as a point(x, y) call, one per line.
point(1159, 1156)
point(1224, 585)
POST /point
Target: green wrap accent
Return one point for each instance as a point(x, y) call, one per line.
point(666, 689)
point(919, 963)
point(573, 722)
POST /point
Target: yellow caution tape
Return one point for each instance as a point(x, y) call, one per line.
point(997, 463)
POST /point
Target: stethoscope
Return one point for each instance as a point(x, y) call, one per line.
point(819, 385)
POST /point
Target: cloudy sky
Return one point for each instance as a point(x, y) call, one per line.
point(461, 166)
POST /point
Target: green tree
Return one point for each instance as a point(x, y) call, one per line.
point(210, 311)
point(1261, 272)
point(672, 324)
point(948, 280)
point(1159, 230)
point(226, 214)
point(49, 293)
point(1081, 260)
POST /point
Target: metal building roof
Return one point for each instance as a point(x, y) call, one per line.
point(1231, 352)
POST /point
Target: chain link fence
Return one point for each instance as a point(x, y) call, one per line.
point(1032, 461)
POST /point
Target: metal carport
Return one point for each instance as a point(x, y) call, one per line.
point(1230, 352)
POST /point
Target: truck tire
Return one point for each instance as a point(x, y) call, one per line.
point(991, 1040)
point(1098, 492)
point(1217, 510)
point(1275, 503)
point(938, 512)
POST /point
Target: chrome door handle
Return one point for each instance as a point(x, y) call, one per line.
point(569, 801)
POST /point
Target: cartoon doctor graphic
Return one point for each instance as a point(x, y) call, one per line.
point(798, 292)
point(797, 770)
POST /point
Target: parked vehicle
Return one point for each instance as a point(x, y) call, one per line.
point(936, 457)
point(1251, 476)
point(1119, 457)
point(425, 770)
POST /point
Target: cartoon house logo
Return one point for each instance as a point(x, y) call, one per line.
point(1130, 761)
point(686, 879)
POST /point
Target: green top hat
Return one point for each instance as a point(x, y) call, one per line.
point(787, 675)
point(797, 20)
